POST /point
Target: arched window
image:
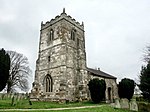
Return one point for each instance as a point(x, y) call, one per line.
point(51, 36)
point(73, 32)
point(48, 83)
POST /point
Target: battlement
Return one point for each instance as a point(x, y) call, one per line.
point(63, 15)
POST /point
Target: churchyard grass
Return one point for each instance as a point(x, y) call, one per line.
point(24, 103)
point(96, 109)
point(6, 103)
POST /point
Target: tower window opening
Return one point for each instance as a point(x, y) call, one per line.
point(77, 42)
point(73, 32)
point(49, 58)
point(51, 35)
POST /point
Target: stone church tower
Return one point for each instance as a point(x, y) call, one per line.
point(61, 65)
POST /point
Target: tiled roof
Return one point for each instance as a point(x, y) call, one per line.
point(100, 73)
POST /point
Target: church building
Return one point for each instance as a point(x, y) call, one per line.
point(61, 70)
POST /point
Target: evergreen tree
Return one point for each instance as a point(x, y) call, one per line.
point(126, 88)
point(97, 90)
point(4, 68)
point(145, 81)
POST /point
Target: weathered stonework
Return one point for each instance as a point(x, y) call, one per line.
point(61, 72)
point(111, 94)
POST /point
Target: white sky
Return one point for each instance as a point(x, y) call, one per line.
point(116, 31)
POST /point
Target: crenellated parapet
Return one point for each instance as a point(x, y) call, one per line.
point(63, 15)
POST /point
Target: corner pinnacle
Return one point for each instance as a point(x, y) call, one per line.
point(63, 10)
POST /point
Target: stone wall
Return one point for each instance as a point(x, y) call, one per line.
point(110, 83)
point(63, 59)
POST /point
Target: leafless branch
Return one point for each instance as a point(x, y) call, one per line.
point(19, 71)
point(147, 54)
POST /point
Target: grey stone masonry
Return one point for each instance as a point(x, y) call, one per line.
point(61, 73)
point(62, 57)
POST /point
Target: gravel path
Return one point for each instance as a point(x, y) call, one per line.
point(69, 108)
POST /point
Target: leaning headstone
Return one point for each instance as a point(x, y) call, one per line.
point(8, 95)
point(21, 97)
point(124, 103)
point(3, 96)
point(13, 101)
point(117, 103)
point(133, 105)
point(18, 97)
point(12, 95)
point(15, 97)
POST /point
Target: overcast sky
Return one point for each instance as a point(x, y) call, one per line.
point(116, 31)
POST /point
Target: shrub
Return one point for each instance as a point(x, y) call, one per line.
point(97, 89)
point(4, 68)
point(126, 88)
point(143, 107)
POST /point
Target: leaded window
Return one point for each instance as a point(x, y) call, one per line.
point(48, 83)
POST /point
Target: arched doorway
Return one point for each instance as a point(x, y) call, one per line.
point(48, 84)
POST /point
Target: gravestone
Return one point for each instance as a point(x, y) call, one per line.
point(9, 95)
point(124, 103)
point(117, 103)
point(133, 105)
point(23, 96)
point(3, 96)
point(13, 101)
point(12, 95)
point(15, 97)
point(18, 97)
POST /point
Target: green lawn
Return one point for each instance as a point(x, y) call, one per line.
point(5, 104)
point(96, 109)
point(24, 104)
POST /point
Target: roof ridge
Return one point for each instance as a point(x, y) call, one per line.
point(100, 73)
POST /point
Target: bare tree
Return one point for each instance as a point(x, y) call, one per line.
point(147, 54)
point(19, 72)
